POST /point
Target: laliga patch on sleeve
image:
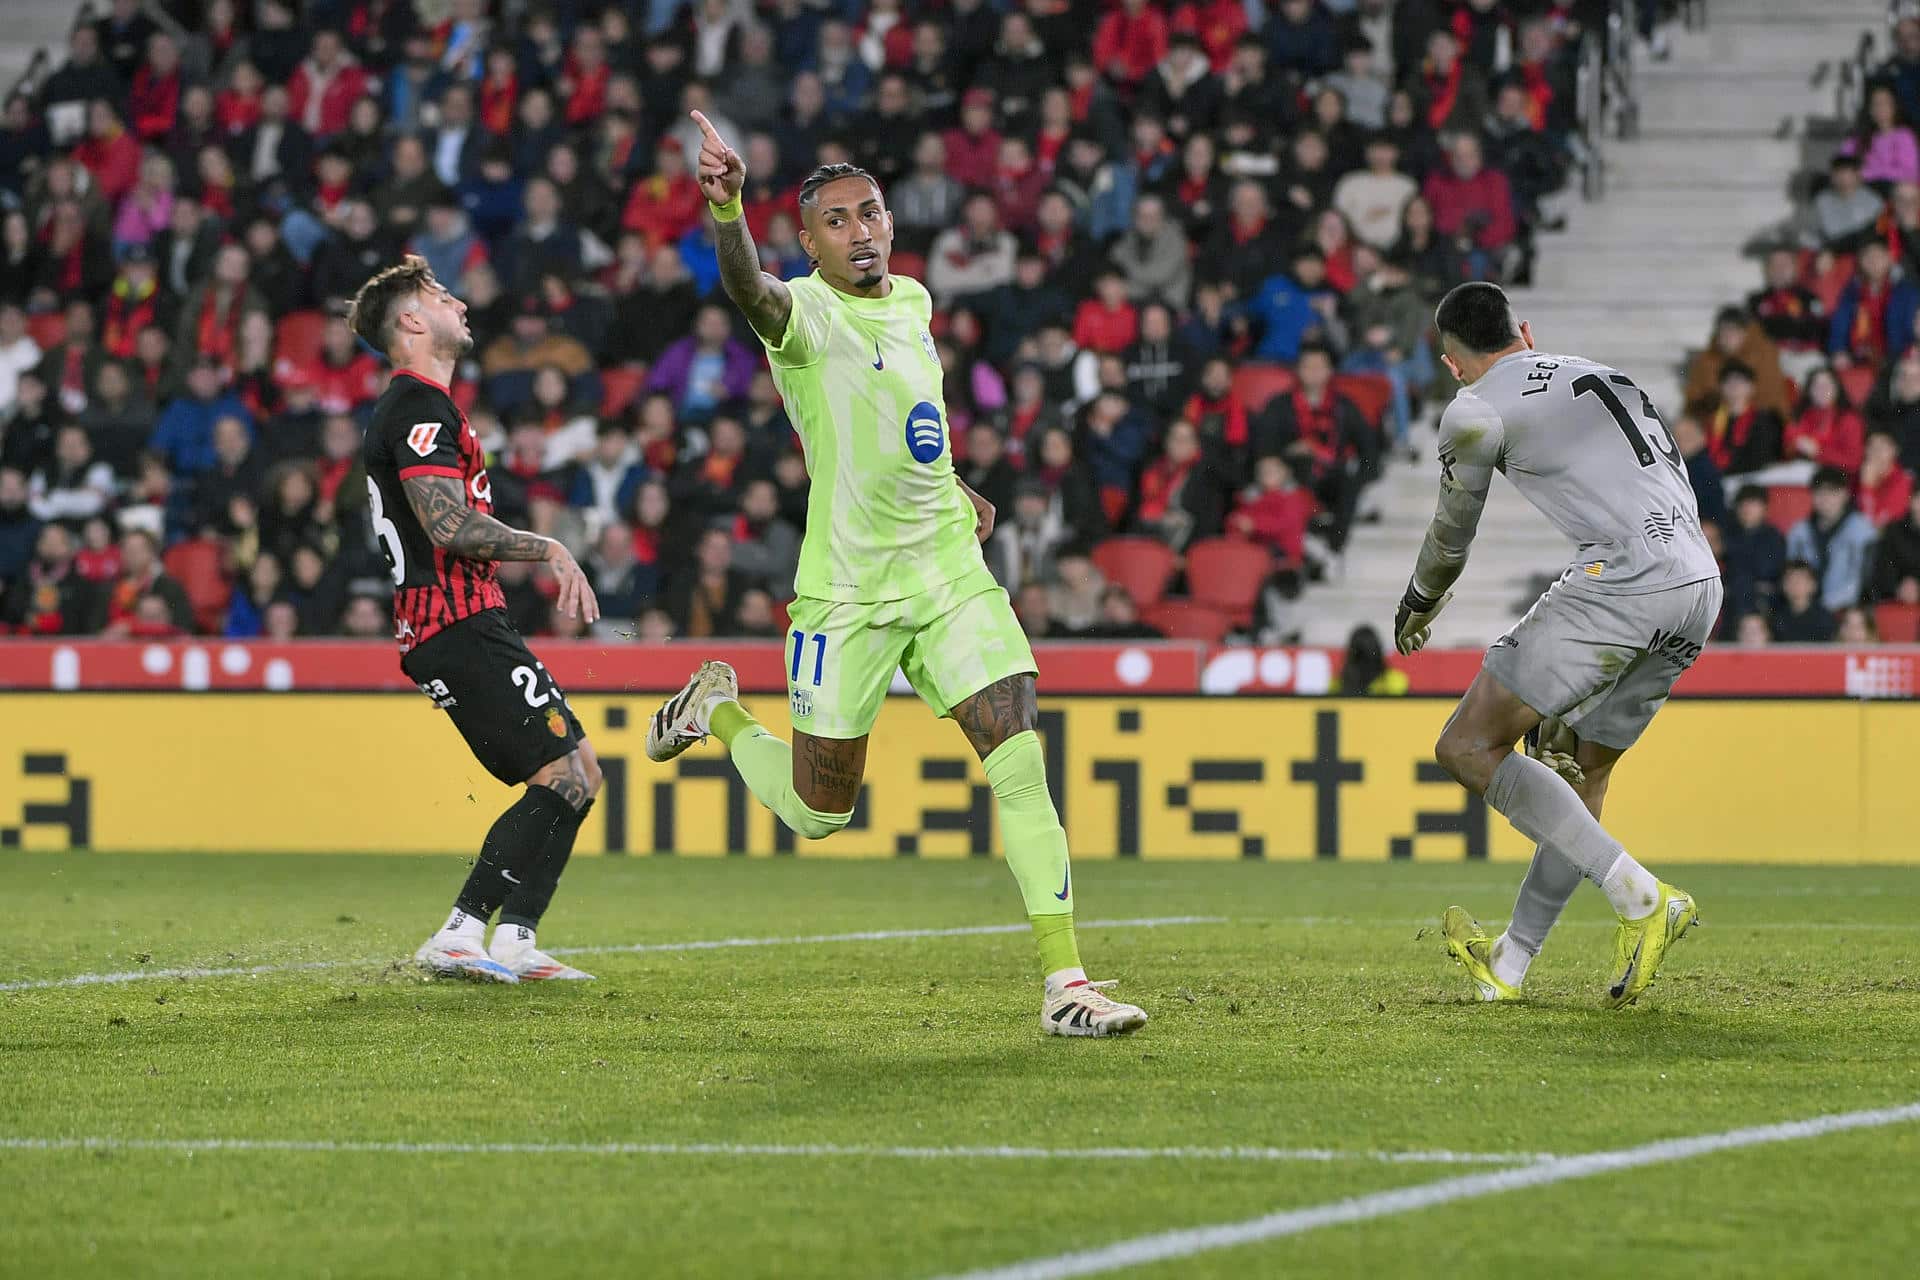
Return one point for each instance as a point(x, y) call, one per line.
point(421, 438)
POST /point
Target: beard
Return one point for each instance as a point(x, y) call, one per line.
point(453, 343)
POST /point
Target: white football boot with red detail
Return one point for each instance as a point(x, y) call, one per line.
point(455, 955)
point(1083, 1009)
point(513, 950)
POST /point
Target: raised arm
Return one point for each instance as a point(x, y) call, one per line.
point(722, 173)
point(440, 505)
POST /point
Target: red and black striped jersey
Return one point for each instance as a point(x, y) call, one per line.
point(417, 430)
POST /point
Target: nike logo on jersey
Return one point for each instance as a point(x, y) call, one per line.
point(508, 876)
point(1066, 884)
point(879, 361)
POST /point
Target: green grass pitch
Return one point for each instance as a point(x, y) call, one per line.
point(1309, 1015)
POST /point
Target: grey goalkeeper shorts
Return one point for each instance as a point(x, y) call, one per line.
point(1604, 663)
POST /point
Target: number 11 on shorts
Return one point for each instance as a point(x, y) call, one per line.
point(819, 655)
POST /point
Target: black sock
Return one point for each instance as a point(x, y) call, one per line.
point(514, 850)
point(528, 902)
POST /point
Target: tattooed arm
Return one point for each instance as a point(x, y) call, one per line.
point(440, 505)
point(722, 174)
point(764, 299)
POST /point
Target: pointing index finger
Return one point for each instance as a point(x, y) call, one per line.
point(706, 127)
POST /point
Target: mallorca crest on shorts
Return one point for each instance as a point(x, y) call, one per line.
point(421, 438)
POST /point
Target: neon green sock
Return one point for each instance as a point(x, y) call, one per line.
point(765, 763)
point(1036, 846)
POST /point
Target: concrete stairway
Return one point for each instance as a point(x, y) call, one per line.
point(1634, 282)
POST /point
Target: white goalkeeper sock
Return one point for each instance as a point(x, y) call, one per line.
point(1510, 960)
point(1631, 888)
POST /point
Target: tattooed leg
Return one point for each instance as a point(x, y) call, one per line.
point(998, 712)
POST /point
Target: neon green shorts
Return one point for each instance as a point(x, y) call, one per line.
point(950, 643)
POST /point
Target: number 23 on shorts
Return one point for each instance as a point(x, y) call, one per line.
point(801, 641)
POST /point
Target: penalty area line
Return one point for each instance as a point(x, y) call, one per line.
point(704, 944)
point(1172, 1245)
point(806, 1150)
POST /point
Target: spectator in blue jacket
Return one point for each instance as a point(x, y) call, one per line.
point(1290, 309)
point(1113, 442)
point(1873, 318)
point(1301, 37)
point(1835, 539)
point(184, 433)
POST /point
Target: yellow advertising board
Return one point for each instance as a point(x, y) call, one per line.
point(1151, 777)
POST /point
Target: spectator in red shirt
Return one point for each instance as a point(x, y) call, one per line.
point(1275, 510)
point(325, 86)
point(1106, 322)
point(1217, 23)
point(1826, 430)
point(1182, 497)
point(153, 102)
point(1130, 41)
point(584, 77)
point(1018, 184)
point(667, 204)
point(973, 149)
point(1885, 486)
point(110, 153)
point(1473, 204)
point(237, 107)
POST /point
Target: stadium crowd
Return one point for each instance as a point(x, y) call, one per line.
point(1805, 404)
point(1184, 256)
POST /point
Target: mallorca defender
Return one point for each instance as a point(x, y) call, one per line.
point(431, 505)
point(1581, 676)
point(891, 575)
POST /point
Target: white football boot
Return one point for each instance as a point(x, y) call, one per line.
point(513, 949)
point(681, 721)
point(1083, 1009)
point(455, 955)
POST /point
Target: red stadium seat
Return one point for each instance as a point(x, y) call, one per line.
point(1897, 623)
point(297, 336)
point(1141, 565)
point(1257, 382)
point(1787, 505)
point(48, 329)
point(783, 614)
point(1186, 620)
point(1857, 381)
point(908, 264)
point(620, 385)
point(1226, 574)
point(199, 566)
point(1371, 393)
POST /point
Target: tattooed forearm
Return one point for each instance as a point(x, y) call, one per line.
point(997, 712)
point(828, 771)
point(440, 505)
point(764, 299)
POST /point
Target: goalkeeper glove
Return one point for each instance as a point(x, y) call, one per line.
point(1414, 619)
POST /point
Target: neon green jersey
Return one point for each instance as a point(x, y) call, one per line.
point(886, 519)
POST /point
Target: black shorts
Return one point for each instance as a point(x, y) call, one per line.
point(480, 672)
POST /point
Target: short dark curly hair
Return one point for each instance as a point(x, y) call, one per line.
point(373, 310)
point(810, 189)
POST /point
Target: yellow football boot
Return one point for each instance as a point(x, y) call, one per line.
point(1472, 949)
point(1640, 945)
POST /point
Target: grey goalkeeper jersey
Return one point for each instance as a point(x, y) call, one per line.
point(1583, 444)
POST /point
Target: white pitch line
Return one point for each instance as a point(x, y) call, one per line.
point(1311, 1155)
point(1169, 1245)
point(706, 944)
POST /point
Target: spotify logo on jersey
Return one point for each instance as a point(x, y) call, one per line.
point(926, 434)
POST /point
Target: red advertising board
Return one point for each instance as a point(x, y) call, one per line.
point(1147, 668)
